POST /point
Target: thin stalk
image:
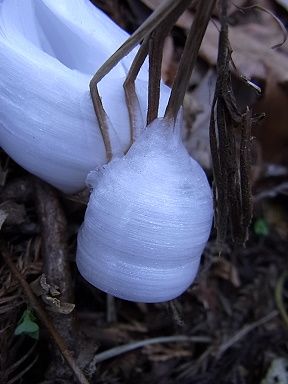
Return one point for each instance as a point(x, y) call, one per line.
point(165, 9)
point(189, 57)
point(119, 350)
point(156, 45)
point(133, 105)
point(102, 119)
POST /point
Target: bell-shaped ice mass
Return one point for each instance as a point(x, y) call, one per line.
point(148, 219)
point(49, 51)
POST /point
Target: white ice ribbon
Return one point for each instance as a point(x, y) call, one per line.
point(49, 50)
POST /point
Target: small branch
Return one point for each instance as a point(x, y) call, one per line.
point(113, 352)
point(43, 317)
point(244, 331)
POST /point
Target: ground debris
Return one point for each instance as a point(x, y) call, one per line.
point(231, 309)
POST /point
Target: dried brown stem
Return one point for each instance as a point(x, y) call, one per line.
point(165, 9)
point(156, 44)
point(102, 118)
point(189, 57)
point(43, 317)
point(230, 140)
point(132, 101)
point(245, 172)
point(153, 31)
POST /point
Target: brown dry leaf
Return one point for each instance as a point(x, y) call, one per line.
point(273, 132)
point(40, 287)
point(253, 57)
point(251, 45)
point(206, 293)
point(227, 271)
point(57, 306)
point(197, 109)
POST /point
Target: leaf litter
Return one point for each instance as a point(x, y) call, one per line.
point(232, 306)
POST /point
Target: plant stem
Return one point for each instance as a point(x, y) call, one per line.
point(189, 57)
point(165, 9)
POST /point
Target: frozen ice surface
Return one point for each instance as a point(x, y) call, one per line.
point(48, 54)
point(148, 220)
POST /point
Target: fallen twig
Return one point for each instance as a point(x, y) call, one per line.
point(56, 269)
point(43, 317)
point(116, 351)
point(244, 331)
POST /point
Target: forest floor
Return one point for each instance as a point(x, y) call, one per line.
point(230, 326)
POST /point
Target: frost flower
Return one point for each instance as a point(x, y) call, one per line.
point(49, 51)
